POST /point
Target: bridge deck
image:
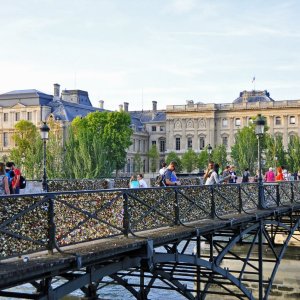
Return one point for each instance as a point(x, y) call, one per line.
point(42, 264)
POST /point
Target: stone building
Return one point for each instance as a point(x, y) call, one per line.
point(37, 107)
point(176, 128)
point(195, 125)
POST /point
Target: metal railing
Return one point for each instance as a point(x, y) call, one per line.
point(35, 222)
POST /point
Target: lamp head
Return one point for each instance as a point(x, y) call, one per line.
point(260, 125)
point(44, 129)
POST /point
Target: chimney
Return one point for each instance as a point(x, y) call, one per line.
point(101, 104)
point(154, 106)
point(120, 107)
point(56, 90)
point(126, 106)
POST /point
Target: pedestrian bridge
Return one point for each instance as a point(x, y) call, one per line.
point(181, 239)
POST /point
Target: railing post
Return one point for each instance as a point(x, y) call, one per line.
point(126, 218)
point(176, 209)
point(277, 195)
point(213, 204)
point(240, 199)
point(51, 225)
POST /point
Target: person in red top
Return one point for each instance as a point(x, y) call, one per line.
point(16, 180)
point(279, 176)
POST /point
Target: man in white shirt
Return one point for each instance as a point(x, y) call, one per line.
point(141, 181)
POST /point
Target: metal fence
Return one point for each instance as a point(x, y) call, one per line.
point(35, 222)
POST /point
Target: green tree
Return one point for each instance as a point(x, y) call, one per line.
point(137, 162)
point(244, 151)
point(172, 156)
point(274, 151)
point(97, 144)
point(293, 154)
point(219, 156)
point(153, 157)
point(28, 152)
point(189, 160)
point(203, 160)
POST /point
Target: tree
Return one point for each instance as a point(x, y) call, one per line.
point(293, 154)
point(219, 156)
point(189, 160)
point(137, 162)
point(244, 151)
point(203, 160)
point(274, 151)
point(172, 156)
point(153, 157)
point(28, 152)
point(97, 144)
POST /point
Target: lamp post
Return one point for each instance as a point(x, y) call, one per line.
point(44, 135)
point(259, 131)
point(209, 150)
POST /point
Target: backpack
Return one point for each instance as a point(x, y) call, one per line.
point(22, 182)
point(160, 180)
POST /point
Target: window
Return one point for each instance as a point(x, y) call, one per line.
point(153, 128)
point(139, 146)
point(133, 145)
point(225, 141)
point(237, 122)
point(277, 121)
point(292, 120)
point(224, 123)
point(162, 128)
point(153, 142)
point(5, 117)
point(5, 139)
point(177, 146)
point(17, 116)
point(29, 116)
point(189, 143)
point(162, 146)
point(202, 143)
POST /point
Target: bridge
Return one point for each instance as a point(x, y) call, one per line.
point(183, 239)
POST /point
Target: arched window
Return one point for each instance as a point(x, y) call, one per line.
point(237, 122)
point(277, 121)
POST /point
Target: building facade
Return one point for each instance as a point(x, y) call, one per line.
point(177, 128)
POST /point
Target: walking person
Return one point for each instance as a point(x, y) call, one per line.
point(133, 182)
point(16, 180)
point(10, 175)
point(4, 186)
point(226, 174)
point(246, 175)
point(208, 171)
point(214, 176)
point(163, 168)
point(270, 175)
point(170, 176)
point(279, 176)
point(141, 180)
point(233, 177)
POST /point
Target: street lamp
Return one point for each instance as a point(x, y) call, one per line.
point(44, 135)
point(209, 150)
point(259, 131)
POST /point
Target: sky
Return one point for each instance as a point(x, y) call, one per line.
point(139, 51)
